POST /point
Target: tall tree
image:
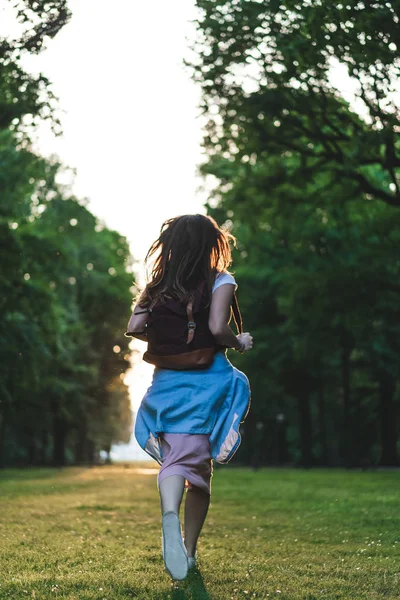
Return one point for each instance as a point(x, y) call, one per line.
point(272, 71)
point(65, 282)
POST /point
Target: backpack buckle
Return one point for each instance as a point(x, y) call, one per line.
point(191, 328)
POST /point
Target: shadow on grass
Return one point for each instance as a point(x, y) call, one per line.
point(192, 588)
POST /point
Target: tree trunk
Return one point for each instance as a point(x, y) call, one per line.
point(59, 439)
point(81, 443)
point(251, 448)
point(43, 447)
point(31, 449)
point(305, 428)
point(321, 420)
point(387, 409)
point(91, 453)
point(346, 436)
point(282, 444)
point(107, 448)
point(3, 420)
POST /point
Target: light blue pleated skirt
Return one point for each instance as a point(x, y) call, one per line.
point(211, 401)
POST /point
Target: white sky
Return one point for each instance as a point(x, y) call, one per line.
point(130, 112)
point(130, 121)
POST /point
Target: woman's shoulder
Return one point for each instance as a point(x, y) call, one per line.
point(222, 278)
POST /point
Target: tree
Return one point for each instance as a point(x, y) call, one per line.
point(62, 347)
point(307, 177)
point(267, 73)
point(318, 286)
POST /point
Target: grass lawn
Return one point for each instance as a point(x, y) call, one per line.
point(95, 534)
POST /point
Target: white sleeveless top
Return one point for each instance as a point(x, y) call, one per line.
point(222, 278)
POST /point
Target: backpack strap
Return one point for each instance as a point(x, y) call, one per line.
point(237, 317)
point(189, 312)
point(191, 323)
point(147, 310)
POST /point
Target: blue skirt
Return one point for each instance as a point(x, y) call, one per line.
point(211, 401)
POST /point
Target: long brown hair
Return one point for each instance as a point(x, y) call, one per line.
point(190, 248)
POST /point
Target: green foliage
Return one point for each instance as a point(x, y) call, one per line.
point(65, 285)
point(39, 20)
point(271, 71)
point(310, 185)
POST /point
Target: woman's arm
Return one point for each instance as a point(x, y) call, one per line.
point(137, 323)
point(220, 312)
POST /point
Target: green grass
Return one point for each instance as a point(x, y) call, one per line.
point(95, 534)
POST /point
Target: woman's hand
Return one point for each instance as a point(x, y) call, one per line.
point(246, 340)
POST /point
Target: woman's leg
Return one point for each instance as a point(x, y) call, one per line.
point(171, 492)
point(196, 507)
point(174, 553)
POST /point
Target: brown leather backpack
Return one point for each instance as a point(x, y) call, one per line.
point(178, 334)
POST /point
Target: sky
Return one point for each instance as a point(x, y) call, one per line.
point(131, 125)
point(129, 112)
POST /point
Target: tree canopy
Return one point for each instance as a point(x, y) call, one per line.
point(271, 74)
point(65, 283)
point(302, 145)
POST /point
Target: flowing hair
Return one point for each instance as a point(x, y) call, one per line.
point(190, 249)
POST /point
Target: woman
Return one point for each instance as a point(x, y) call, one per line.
point(191, 413)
